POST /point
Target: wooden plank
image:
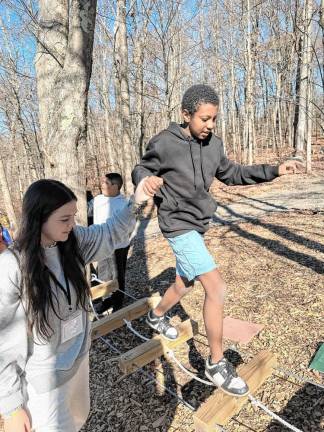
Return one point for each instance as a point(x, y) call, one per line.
point(104, 289)
point(155, 347)
point(219, 408)
point(131, 312)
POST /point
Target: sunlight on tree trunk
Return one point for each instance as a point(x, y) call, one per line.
point(63, 65)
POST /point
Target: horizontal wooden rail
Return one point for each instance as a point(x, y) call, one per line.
point(131, 312)
point(104, 289)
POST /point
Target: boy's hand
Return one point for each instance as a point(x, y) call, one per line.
point(151, 185)
point(146, 188)
point(291, 167)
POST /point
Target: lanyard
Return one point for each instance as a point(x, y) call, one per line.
point(66, 289)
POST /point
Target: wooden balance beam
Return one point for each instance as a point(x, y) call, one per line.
point(116, 319)
point(156, 347)
point(104, 289)
point(219, 408)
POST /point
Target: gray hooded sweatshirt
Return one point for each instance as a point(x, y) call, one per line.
point(23, 357)
point(188, 167)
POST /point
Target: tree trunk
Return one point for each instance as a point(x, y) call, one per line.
point(7, 196)
point(301, 137)
point(63, 66)
point(249, 111)
point(122, 95)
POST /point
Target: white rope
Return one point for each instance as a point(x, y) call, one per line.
point(95, 279)
point(273, 415)
point(151, 377)
point(131, 328)
point(187, 371)
point(93, 309)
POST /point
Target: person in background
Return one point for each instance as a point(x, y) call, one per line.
point(103, 207)
point(5, 238)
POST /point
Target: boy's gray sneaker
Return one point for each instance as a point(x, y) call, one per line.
point(224, 376)
point(162, 325)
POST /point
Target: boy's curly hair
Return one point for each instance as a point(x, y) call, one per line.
point(197, 94)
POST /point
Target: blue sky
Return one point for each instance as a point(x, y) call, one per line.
point(21, 43)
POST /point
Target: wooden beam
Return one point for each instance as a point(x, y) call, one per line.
point(131, 312)
point(104, 289)
point(155, 347)
point(219, 408)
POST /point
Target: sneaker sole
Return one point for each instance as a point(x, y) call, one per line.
point(223, 390)
point(156, 330)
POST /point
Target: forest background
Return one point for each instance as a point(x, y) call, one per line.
point(85, 84)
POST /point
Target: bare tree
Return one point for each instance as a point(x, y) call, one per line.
point(63, 66)
point(301, 136)
point(126, 151)
point(6, 195)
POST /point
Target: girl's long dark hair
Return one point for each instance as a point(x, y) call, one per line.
point(41, 199)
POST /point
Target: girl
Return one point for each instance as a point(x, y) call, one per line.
point(44, 324)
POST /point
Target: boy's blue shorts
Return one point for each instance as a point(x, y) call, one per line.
point(192, 256)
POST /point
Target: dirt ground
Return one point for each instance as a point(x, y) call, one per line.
point(273, 265)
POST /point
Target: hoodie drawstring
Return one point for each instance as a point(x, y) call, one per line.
point(202, 165)
point(193, 163)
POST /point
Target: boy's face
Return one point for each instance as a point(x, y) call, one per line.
point(108, 189)
point(202, 122)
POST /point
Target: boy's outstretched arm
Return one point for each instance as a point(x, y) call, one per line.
point(232, 173)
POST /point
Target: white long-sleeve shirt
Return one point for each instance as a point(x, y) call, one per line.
point(106, 207)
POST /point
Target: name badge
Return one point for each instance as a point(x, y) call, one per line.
point(72, 327)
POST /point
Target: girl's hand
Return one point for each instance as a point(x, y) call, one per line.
point(17, 422)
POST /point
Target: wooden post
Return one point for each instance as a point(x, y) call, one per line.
point(155, 347)
point(219, 408)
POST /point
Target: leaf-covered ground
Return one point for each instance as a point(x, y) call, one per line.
point(274, 272)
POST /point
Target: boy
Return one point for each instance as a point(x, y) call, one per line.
point(180, 164)
point(103, 207)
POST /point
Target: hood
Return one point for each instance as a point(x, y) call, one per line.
point(178, 131)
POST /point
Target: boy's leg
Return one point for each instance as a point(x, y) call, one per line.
point(121, 260)
point(214, 287)
point(156, 318)
point(173, 295)
point(218, 369)
point(192, 259)
point(116, 299)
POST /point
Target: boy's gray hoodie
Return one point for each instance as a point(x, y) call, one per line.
point(188, 167)
point(23, 357)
